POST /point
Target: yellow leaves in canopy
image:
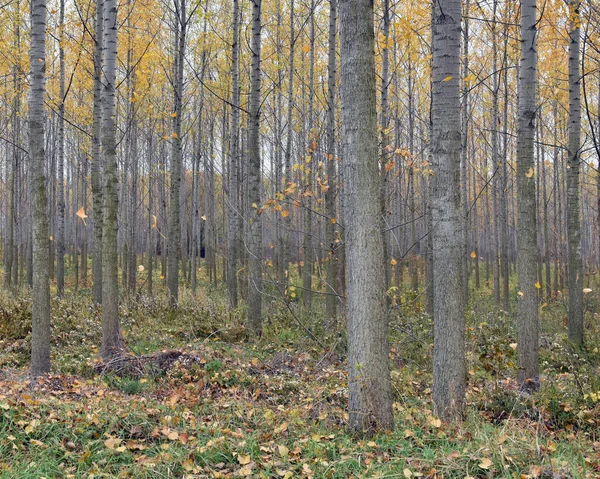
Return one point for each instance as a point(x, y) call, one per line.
point(306, 48)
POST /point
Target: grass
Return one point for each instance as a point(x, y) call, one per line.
point(276, 407)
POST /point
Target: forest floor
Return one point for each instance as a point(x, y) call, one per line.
point(194, 398)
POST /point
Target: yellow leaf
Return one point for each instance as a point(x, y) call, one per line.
point(173, 135)
point(529, 173)
point(448, 78)
point(333, 221)
point(485, 463)
point(81, 214)
point(154, 221)
point(112, 442)
point(393, 262)
point(174, 114)
point(203, 217)
point(51, 237)
point(502, 439)
point(243, 460)
point(285, 213)
point(538, 285)
point(473, 254)
point(283, 451)
point(587, 290)
point(520, 293)
point(306, 48)
point(513, 346)
point(407, 472)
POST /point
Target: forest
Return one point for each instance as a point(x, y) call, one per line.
point(300, 238)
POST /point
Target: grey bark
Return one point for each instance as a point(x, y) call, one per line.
point(527, 248)
point(332, 264)
point(575, 268)
point(370, 392)
point(233, 205)
point(174, 236)
point(97, 192)
point(111, 334)
point(40, 309)
point(449, 319)
point(255, 248)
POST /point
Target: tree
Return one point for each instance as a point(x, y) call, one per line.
point(40, 310)
point(176, 153)
point(369, 384)
point(255, 247)
point(575, 267)
point(232, 198)
point(332, 269)
point(111, 335)
point(448, 308)
point(97, 193)
point(527, 248)
point(60, 229)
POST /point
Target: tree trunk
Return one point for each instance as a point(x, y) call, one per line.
point(97, 193)
point(369, 384)
point(40, 309)
point(527, 248)
point(449, 319)
point(575, 268)
point(255, 248)
point(332, 263)
point(174, 237)
point(111, 334)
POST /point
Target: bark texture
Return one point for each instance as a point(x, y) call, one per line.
point(448, 306)
point(40, 309)
point(527, 250)
point(111, 334)
point(575, 267)
point(370, 392)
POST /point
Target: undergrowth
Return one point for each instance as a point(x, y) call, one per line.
point(228, 405)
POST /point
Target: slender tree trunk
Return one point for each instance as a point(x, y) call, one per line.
point(40, 309)
point(527, 248)
point(233, 211)
point(330, 231)
point(97, 193)
point(369, 384)
point(111, 334)
point(174, 238)
point(464, 187)
point(575, 268)
point(255, 247)
point(449, 319)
